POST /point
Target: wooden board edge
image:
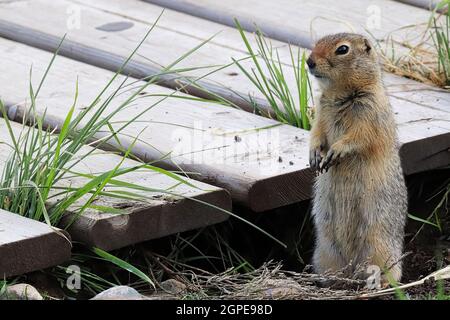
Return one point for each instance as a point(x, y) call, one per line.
point(152, 222)
point(426, 154)
point(33, 254)
point(296, 186)
point(422, 155)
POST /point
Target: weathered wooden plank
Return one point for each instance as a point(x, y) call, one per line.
point(84, 47)
point(295, 21)
point(244, 153)
point(159, 215)
point(27, 245)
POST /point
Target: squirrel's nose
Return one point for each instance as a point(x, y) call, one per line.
point(311, 63)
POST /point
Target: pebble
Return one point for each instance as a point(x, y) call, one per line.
point(21, 291)
point(119, 293)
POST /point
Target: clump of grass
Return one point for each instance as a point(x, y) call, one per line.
point(42, 157)
point(441, 38)
point(427, 57)
point(417, 62)
point(288, 105)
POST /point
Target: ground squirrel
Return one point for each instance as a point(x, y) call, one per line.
point(360, 197)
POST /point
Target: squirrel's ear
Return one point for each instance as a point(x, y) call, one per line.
point(368, 45)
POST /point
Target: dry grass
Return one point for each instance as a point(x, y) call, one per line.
point(418, 63)
point(269, 282)
point(420, 57)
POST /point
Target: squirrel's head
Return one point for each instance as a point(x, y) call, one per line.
point(344, 59)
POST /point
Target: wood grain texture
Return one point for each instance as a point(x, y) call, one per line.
point(224, 146)
point(161, 214)
point(27, 245)
point(302, 22)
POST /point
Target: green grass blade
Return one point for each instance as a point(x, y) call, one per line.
point(123, 264)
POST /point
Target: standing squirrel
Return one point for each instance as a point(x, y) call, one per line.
point(360, 197)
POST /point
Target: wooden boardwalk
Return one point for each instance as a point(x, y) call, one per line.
point(259, 162)
point(223, 146)
point(159, 215)
point(421, 111)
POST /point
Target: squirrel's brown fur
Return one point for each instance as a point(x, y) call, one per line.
point(360, 198)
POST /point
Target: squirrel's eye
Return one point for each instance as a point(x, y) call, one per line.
point(342, 49)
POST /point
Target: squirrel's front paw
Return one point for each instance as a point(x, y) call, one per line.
point(315, 158)
point(332, 158)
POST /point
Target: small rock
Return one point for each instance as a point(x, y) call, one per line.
point(46, 283)
point(237, 139)
point(21, 291)
point(119, 293)
point(173, 286)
